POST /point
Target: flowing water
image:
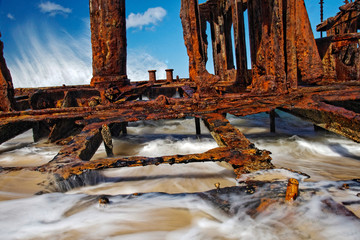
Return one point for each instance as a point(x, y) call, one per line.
point(330, 160)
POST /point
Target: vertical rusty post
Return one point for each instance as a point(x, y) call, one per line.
point(240, 44)
point(6, 86)
point(107, 138)
point(197, 125)
point(272, 121)
point(190, 20)
point(108, 39)
point(266, 29)
point(152, 76)
point(221, 41)
point(169, 75)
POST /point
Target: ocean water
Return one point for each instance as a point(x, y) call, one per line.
point(168, 209)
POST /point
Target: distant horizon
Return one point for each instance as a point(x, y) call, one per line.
point(47, 43)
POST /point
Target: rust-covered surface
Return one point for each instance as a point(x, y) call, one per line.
point(6, 86)
point(339, 51)
point(108, 40)
point(289, 72)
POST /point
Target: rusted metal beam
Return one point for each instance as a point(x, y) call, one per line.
point(332, 118)
point(214, 155)
point(227, 135)
point(81, 148)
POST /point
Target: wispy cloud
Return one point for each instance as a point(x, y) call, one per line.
point(49, 58)
point(10, 16)
point(53, 9)
point(151, 17)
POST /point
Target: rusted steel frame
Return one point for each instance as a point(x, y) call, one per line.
point(219, 15)
point(283, 48)
point(227, 135)
point(213, 155)
point(30, 91)
point(81, 148)
point(335, 119)
point(62, 129)
point(224, 133)
point(242, 161)
point(227, 103)
point(345, 20)
point(13, 129)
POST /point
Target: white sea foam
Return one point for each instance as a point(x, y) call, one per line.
point(157, 216)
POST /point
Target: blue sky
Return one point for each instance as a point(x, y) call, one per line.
point(48, 42)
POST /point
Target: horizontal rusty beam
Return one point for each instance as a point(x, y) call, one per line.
point(335, 119)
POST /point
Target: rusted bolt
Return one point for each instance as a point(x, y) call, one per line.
point(169, 75)
point(217, 185)
point(345, 186)
point(152, 76)
point(292, 190)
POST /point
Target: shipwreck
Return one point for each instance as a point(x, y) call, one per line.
point(317, 80)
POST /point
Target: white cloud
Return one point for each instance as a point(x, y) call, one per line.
point(53, 9)
point(48, 58)
point(151, 16)
point(10, 16)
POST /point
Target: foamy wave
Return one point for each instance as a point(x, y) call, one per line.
point(162, 216)
point(172, 146)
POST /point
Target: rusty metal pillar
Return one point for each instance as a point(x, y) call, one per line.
point(240, 44)
point(267, 45)
point(190, 19)
point(221, 41)
point(108, 39)
point(169, 75)
point(152, 76)
point(6, 86)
